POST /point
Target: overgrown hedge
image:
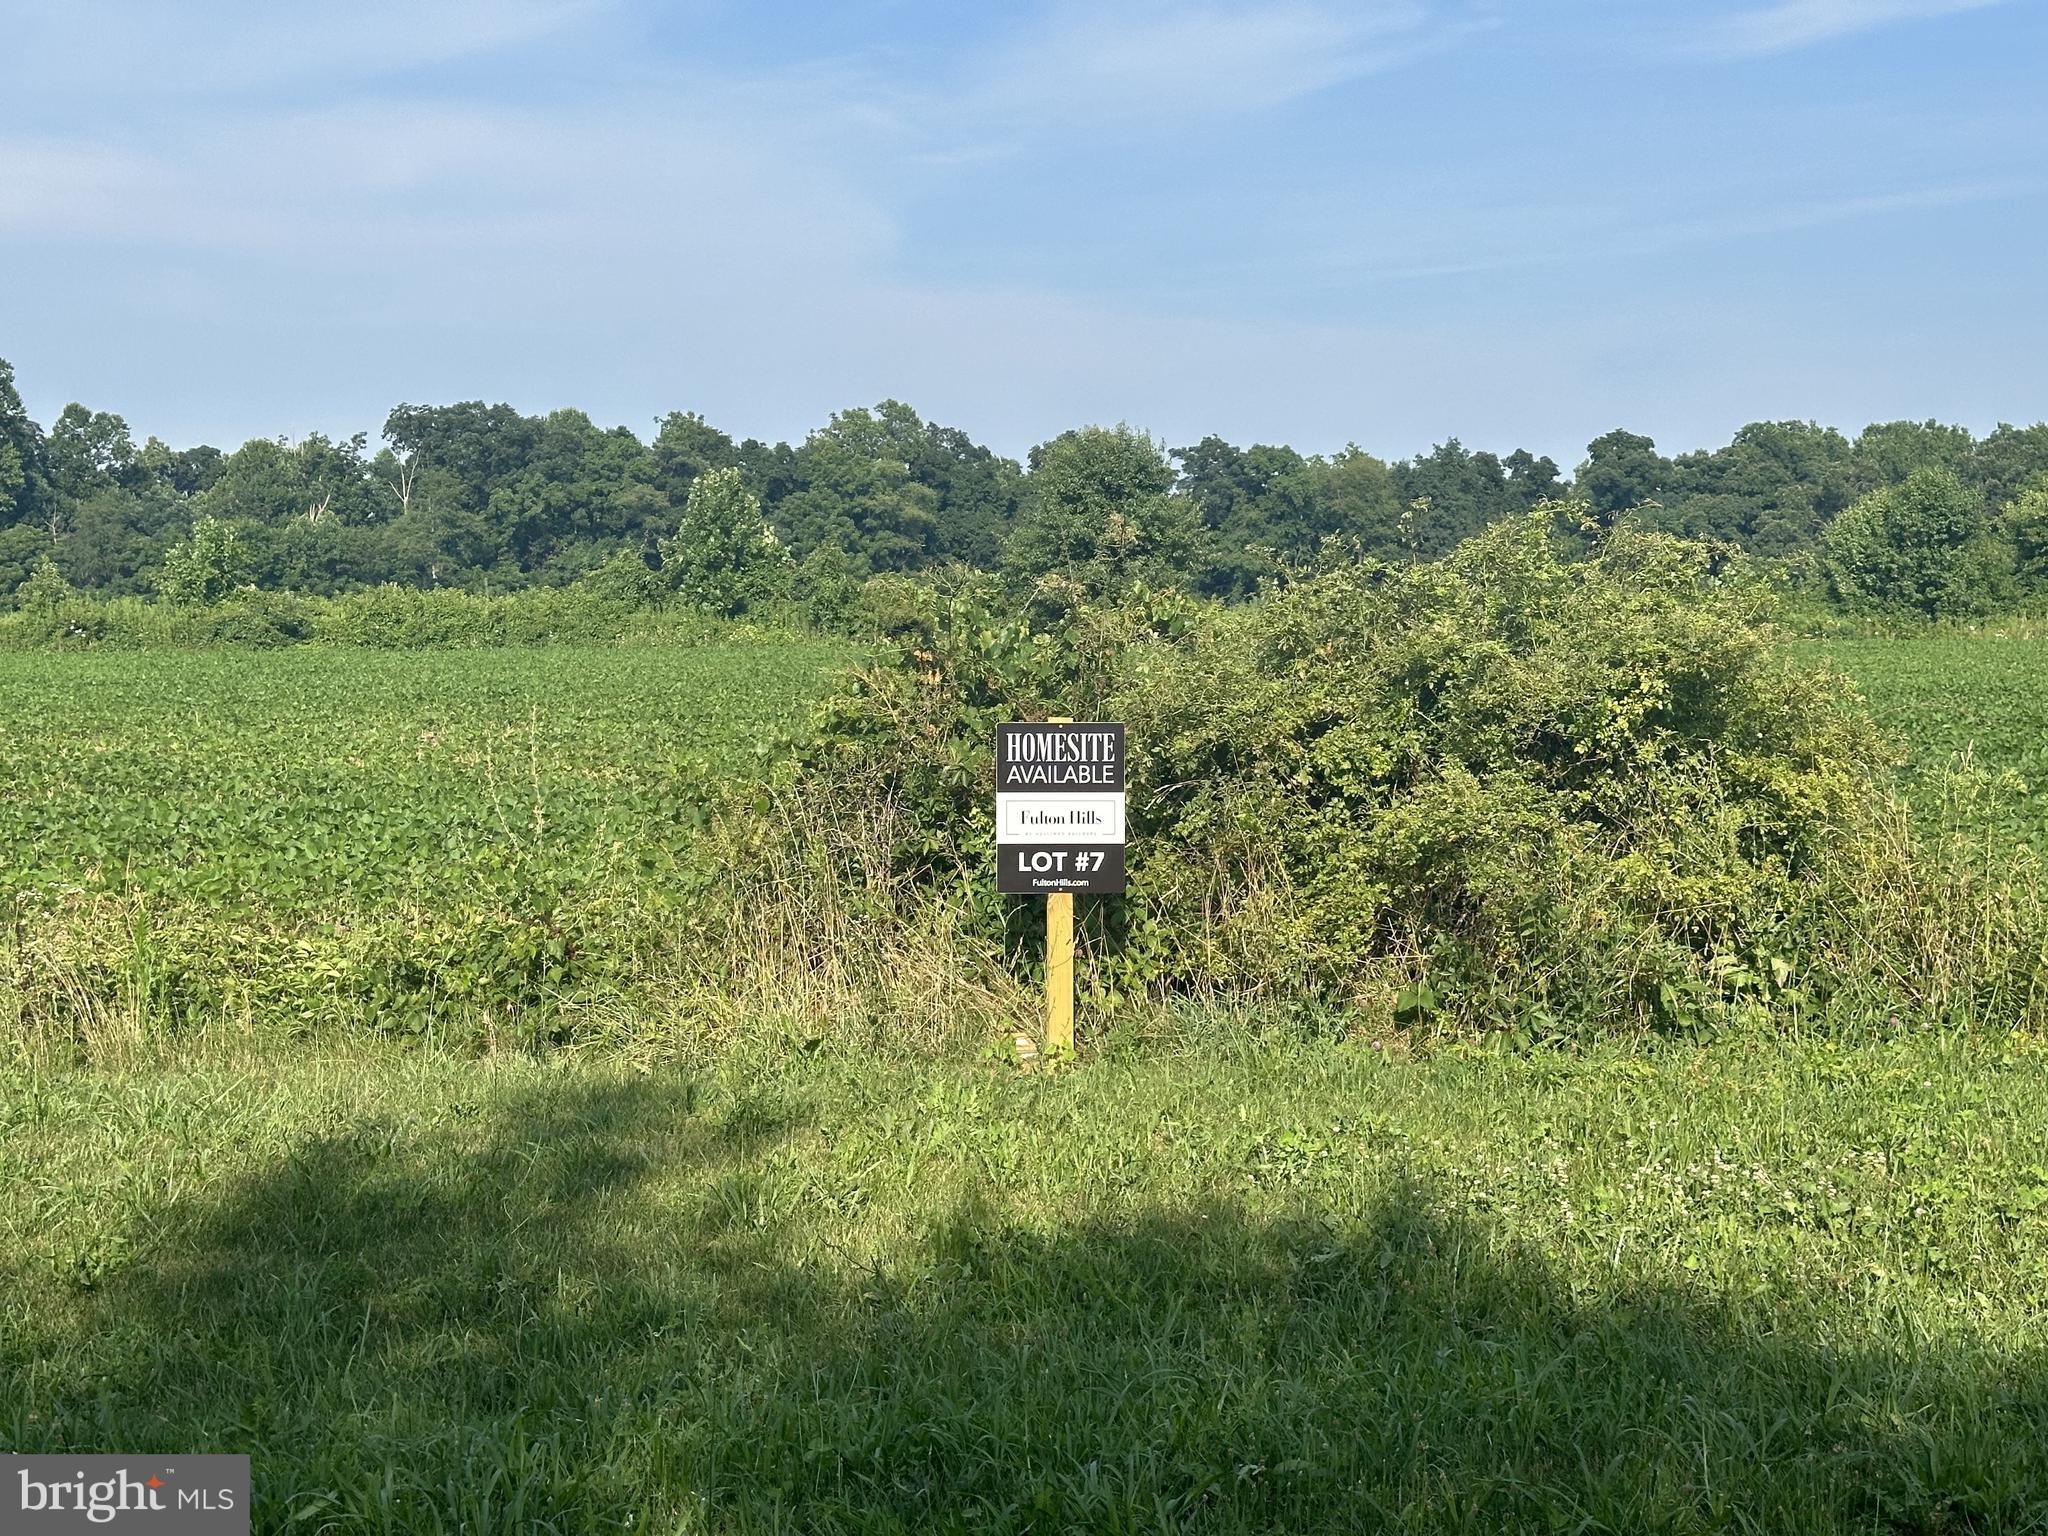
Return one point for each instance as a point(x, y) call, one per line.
point(385, 618)
point(1522, 786)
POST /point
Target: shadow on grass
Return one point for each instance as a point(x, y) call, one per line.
point(601, 1309)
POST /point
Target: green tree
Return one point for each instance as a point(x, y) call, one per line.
point(1358, 499)
point(685, 446)
point(580, 486)
point(23, 547)
point(443, 540)
point(480, 445)
point(181, 473)
point(1921, 547)
point(2024, 526)
point(1099, 514)
point(303, 511)
point(206, 567)
point(13, 483)
point(1771, 489)
point(45, 589)
point(2011, 460)
point(977, 490)
point(861, 492)
point(1449, 495)
point(113, 536)
point(1622, 471)
point(21, 455)
point(1888, 451)
point(1533, 479)
point(89, 451)
point(724, 558)
point(1262, 511)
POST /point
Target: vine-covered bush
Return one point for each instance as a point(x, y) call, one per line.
point(1517, 785)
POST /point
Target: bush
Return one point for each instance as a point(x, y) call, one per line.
point(45, 589)
point(1509, 787)
point(206, 567)
point(380, 618)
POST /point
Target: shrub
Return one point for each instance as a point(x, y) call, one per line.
point(45, 590)
point(1508, 786)
point(206, 567)
point(261, 620)
point(382, 618)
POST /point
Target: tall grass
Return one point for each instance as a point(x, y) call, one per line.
point(1949, 917)
point(796, 924)
point(380, 618)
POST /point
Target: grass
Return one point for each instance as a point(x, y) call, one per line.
point(1763, 1282)
point(1763, 1285)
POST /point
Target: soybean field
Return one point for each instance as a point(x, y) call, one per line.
point(400, 837)
point(1960, 700)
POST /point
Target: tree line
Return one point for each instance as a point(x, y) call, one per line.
point(1908, 516)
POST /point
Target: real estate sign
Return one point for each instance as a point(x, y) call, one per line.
point(1059, 809)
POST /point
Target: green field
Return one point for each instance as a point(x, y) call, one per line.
point(1948, 699)
point(1224, 1276)
point(441, 843)
point(297, 778)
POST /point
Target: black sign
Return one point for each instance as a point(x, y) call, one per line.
point(1075, 758)
point(1059, 809)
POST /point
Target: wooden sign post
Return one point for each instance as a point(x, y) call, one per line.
point(1059, 831)
point(1059, 974)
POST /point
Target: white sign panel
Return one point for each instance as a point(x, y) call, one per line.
point(1027, 818)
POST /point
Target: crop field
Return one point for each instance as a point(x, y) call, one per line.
point(1229, 1274)
point(302, 777)
point(1943, 699)
point(356, 834)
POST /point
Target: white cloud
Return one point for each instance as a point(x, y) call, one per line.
point(148, 48)
point(742, 181)
point(301, 256)
point(1169, 62)
point(1790, 24)
point(798, 166)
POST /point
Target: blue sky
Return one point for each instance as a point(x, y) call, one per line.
point(1387, 222)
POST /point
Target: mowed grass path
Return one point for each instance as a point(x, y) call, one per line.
point(1753, 1285)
